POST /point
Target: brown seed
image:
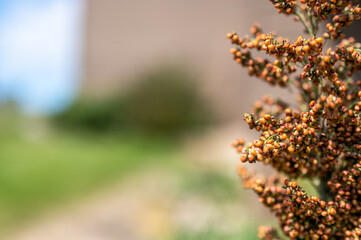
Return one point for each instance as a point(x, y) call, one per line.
point(258, 181)
point(233, 50)
point(342, 88)
point(291, 149)
point(319, 40)
point(327, 59)
point(293, 234)
point(271, 47)
point(259, 189)
point(283, 136)
point(315, 199)
point(235, 143)
point(332, 211)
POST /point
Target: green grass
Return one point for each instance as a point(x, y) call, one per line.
point(35, 174)
point(40, 172)
point(248, 232)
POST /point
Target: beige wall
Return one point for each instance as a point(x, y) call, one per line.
point(127, 37)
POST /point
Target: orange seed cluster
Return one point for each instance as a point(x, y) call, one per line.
point(319, 140)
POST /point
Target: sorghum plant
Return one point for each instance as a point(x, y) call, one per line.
point(320, 139)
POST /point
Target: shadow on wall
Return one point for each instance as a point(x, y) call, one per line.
point(165, 101)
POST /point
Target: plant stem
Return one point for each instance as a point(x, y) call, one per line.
point(313, 27)
point(302, 18)
point(323, 189)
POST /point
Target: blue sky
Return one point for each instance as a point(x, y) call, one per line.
point(40, 52)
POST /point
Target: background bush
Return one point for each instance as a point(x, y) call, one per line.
point(165, 101)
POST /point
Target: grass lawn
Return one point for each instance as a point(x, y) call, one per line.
point(38, 173)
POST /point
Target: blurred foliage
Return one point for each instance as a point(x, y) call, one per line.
point(42, 167)
point(38, 173)
point(92, 115)
point(165, 101)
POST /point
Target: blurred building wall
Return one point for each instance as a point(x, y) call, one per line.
point(127, 37)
